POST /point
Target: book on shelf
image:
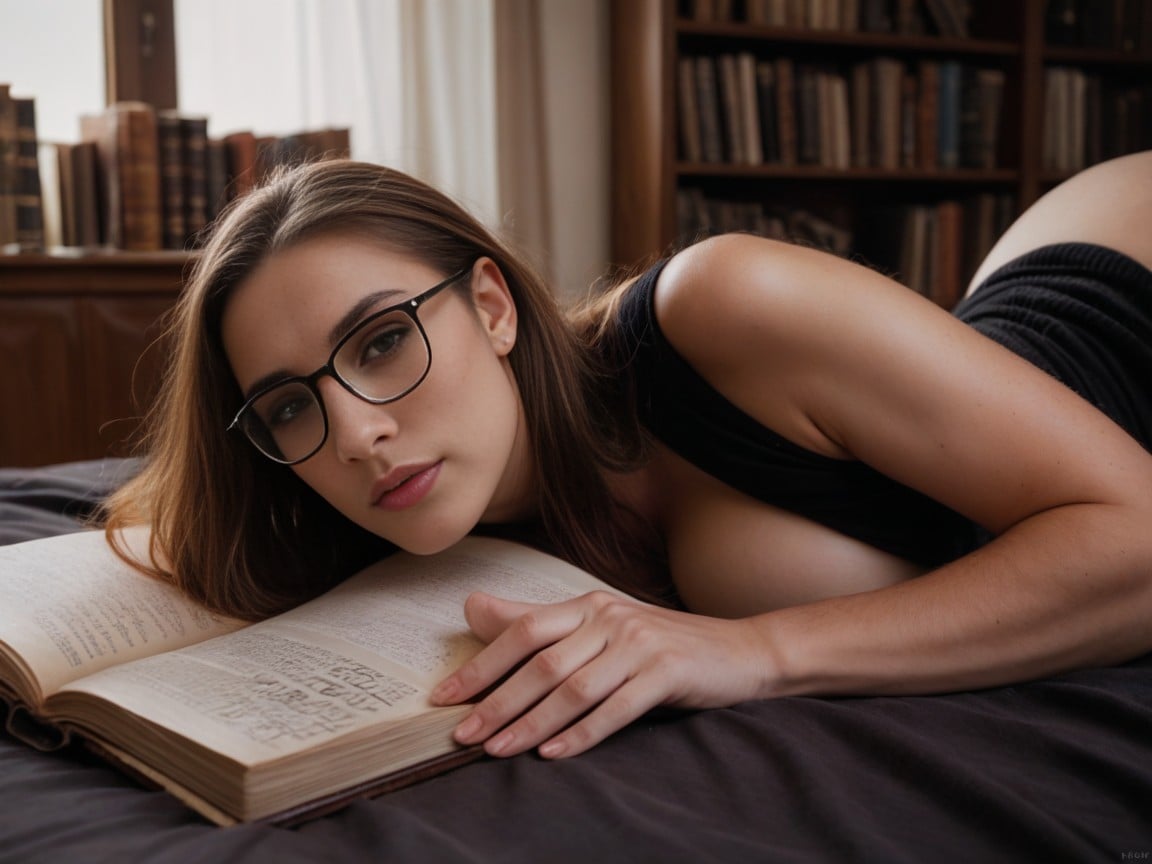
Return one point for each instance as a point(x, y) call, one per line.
point(80, 217)
point(170, 143)
point(162, 178)
point(909, 17)
point(194, 132)
point(807, 101)
point(128, 175)
point(949, 17)
point(8, 148)
point(786, 123)
point(1089, 117)
point(51, 212)
point(934, 248)
point(882, 113)
point(766, 111)
point(275, 721)
point(1110, 25)
point(240, 147)
point(749, 108)
point(691, 149)
point(29, 208)
point(732, 111)
point(216, 182)
point(700, 215)
point(708, 102)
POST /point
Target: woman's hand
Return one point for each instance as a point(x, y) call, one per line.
point(591, 665)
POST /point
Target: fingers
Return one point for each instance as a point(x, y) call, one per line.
point(490, 616)
point(566, 672)
point(565, 723)
point(587, 667)
point(526, 629)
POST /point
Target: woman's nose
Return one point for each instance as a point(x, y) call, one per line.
point(354, 425)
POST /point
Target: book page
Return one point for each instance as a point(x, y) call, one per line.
point(367, 651)
point(70, 607)
point(410, 609)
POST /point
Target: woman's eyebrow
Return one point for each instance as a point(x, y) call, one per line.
point(349, 320)
point(353, 315)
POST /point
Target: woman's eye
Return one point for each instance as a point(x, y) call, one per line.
point(286, 411)
point(384, 342)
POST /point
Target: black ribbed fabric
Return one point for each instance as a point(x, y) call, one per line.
point(1080, 312)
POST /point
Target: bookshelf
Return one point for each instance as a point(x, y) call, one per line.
point(96, 237)
point(77, 334)
point(668, 190)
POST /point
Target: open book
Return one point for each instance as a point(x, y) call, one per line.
point(275, 720)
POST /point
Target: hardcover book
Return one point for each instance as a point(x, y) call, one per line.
point(278, 720)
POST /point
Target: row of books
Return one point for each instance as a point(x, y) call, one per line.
point(1114, 25)
point(932, 248)
point(880, 113)
point(137, 179)
point(1089, 118)
point(905, 17)
point(937, 247)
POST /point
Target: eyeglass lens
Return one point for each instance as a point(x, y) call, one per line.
point(380, 361)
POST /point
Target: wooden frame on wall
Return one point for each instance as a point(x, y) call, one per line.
point(140, 52)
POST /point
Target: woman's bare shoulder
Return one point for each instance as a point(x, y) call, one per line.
point(746, 311)
point(716, 281)
point(735, 292)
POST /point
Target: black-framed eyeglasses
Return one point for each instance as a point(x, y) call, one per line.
point(383, 358)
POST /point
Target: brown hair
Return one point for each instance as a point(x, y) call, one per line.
point(245, 536)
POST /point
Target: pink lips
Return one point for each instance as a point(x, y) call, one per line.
point(405, 487)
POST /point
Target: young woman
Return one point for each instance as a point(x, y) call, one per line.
point(819, 481)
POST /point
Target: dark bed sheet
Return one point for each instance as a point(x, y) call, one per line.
point(1055, 770)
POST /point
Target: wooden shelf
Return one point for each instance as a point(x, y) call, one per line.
point(959, 176)
point(871, 42)
point(67, 270)
point(80, 349)
point(649, 171)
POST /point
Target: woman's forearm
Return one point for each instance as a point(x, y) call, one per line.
point(1066, 588)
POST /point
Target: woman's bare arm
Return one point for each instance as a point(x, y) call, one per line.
point(843, 361)
point(862, 368)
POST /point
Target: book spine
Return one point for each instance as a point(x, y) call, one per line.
point(29, 208)
point(217, 181)
point(195, 132)
point(242, 168)
point(766, 97)
point(51, 200)
point(170, 141)
point(948, 139)
point(138, 153)
point(708, 99)
point(85, 206)
point(689, 112)
point(8, 147)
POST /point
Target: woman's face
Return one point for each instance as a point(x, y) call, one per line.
point(421, 471)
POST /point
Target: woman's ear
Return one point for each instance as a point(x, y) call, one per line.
point(495, 307)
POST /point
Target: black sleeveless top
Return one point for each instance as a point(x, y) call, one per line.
point(1082, 313)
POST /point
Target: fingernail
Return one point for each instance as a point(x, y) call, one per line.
point(553, 749)
point(445, 691)
point(468, 727)
point(499, 744)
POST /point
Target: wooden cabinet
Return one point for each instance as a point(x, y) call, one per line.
point(657, 175)
point(80, 350)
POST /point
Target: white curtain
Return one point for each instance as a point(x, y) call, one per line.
point(452, 91)
point(412, 79)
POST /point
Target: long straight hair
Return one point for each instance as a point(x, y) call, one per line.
point(245, 536)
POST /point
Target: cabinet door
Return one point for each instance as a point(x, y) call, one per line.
point(124, 356)
point(41, 399)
